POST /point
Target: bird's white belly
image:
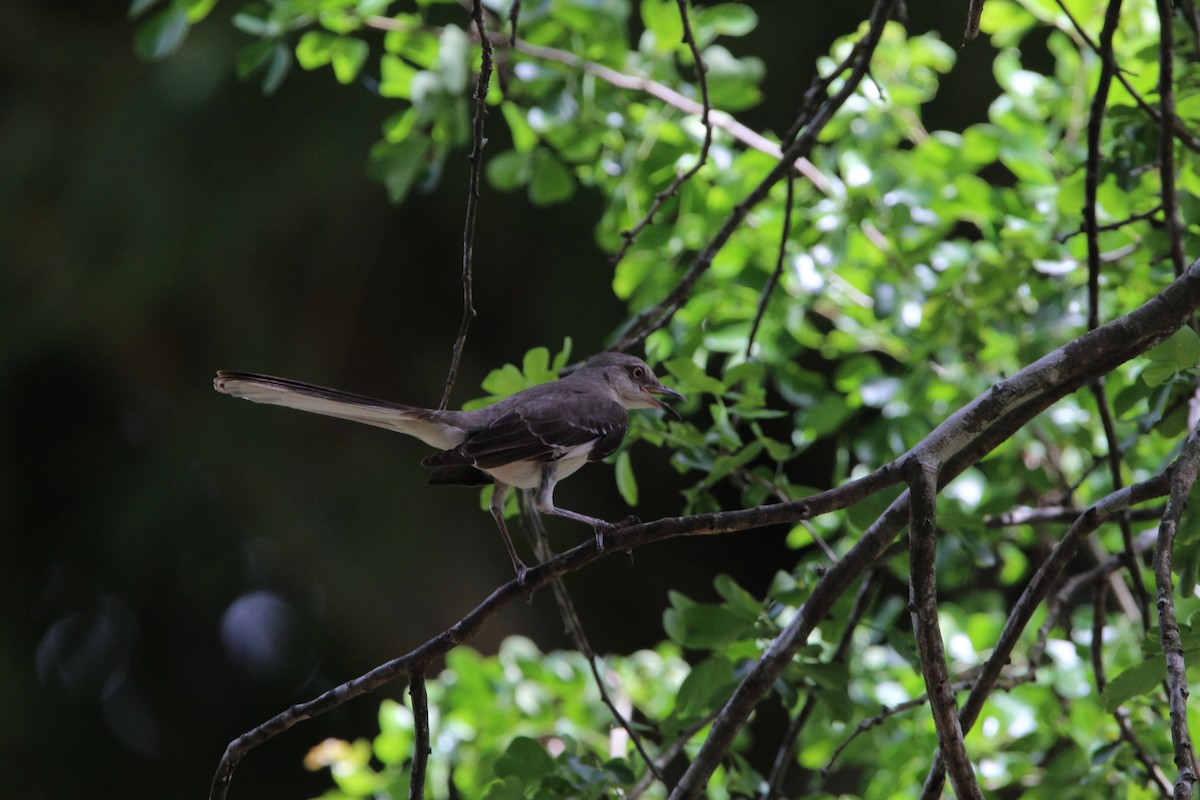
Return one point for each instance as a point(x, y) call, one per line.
point(528, 474)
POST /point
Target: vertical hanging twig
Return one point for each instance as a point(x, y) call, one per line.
point(574, 627)
point(420, 709)
point(1091, 228)
point(476, 161)
point(780, 256)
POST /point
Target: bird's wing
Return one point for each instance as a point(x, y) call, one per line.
point(541, 431)
point(427, 425)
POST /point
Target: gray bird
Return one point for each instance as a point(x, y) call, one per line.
point(530, 440)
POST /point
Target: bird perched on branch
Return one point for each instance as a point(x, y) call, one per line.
point(530, 440)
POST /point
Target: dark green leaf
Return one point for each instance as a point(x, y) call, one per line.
point(163, 33)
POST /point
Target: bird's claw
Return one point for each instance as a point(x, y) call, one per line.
point(605, 527)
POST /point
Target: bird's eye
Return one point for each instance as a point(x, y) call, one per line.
point(638, 373)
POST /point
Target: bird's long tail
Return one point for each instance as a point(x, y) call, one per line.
point(425, 424)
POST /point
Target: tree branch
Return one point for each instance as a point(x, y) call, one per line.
point(705, 117)
point(476, 161)
point(1166, 137)
point(922, 605)
point(963, 439)
point(1033, 595)
point(659, 315)
point(1183, 477)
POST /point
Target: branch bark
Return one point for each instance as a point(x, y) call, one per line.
point(1183, 477)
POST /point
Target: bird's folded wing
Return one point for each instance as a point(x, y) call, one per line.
point(542, 432)
point(422, 423)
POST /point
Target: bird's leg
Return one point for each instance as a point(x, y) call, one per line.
point(499, 493)
point(544, 502)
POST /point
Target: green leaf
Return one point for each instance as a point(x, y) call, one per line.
point(509, 170)
point(626, 483)
point(1138, 680)
point(661, 18)
point(1180, 350)
point(278, 65)
point(315, 49)
point(396, 77)
point(524, 137)
point(551, 182)
point(139, 7)
point(398, 164)
point(524, 759)
point(348, 56)
point(453, 50)
point(197, 10)
point(704, 687)
point(725, 19)
point(162, 34)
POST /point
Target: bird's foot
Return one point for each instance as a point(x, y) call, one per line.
point(605, 527)
point(522, 572)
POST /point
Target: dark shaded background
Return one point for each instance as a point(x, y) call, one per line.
point(176, 566)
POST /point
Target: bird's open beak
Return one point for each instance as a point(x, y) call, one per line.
point(660, 389)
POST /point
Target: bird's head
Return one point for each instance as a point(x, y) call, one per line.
point(633, 382)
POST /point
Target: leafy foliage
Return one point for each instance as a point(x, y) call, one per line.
point(927, 266)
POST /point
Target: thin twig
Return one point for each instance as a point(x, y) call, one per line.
point(780, 256)
point(1063, 238)
point(669, 754)
point(629, 235)
point(785, 753)
point(1092, 172)
point(574, 626)
point(475, 159)
point(1023, 515)
point(639, 83)
point(514, 16)
point(1183, 477)
point(1186, 137)
point(420, 709)
point(660, 315)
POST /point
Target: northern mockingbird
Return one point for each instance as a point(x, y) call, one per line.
point(530, 440)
